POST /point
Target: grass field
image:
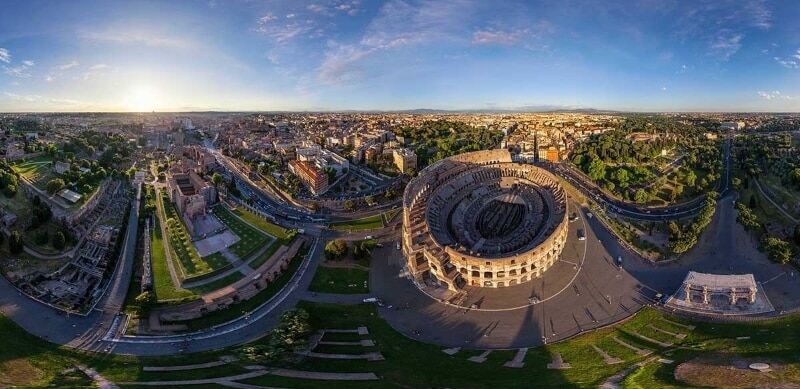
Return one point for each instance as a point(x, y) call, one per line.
point(31, 362)
point(782, 194)
point(261, 259)
point(250, 239)
point(237, 310)
point(182, 247)
point(366, 223)
point(270, 228)
point(218, 284)
point(162, 281)
point(340, 280)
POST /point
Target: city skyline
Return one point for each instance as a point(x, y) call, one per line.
point(398, 55)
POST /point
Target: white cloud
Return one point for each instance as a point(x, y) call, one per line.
point(134, 37)
point(398, 24)
point(498, 37)
point(26, 98)
point(791, 62)
point(282, 33)
point(68, 65)
point(290, 16)
point(21, 71)
point(775, 95)
point(5, 56)
point(722, 25)
point(726, 44)
point(316, 8)
point(93, 71)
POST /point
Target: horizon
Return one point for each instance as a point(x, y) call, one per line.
point(394, 56)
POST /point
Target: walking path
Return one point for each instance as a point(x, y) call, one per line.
point(519, 358)
point(184, 367)
point(205, 381)
point(320, 375)
point(638, 351)
point(775, 204)
point(101, 381)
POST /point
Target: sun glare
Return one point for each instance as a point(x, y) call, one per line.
point(142, 98)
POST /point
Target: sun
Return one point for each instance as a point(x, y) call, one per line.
point(142, 98)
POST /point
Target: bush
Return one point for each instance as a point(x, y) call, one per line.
point(15, 242)
point(59, 240)
point(778, 250)
point(335, 249)
point(288, 336)
point(55, 185)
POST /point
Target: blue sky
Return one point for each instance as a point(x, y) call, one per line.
point(365, 54)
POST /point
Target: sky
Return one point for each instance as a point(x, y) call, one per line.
point(651, 55)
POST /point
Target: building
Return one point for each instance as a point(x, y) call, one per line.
point(405, 160)
point(191, 194)
point(736, 126)
point(61, 167)
point(314, 178)
point(480, 219)
point(552, 154)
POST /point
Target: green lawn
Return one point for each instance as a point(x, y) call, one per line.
point(250, 239)
point(261, 259)
point(366, 223)
point(270, 228)
point(191, 264)
point(340, 280)
point(31, 362)
point(38, 171)
point(218, 284)
point(162, 281)
point(237, 310)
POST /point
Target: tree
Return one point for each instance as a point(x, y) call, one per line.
point(797, 234)
point(641, 196)
point(42, 237)
point(597, 169)
point(15, 242)
point(363, 249)
point(59, 240)
point(691, 178)
point(349, 205)
point(622, 177)
point(737, 183)
point(288, 336)
point(778, 250)
point(55, 185)
point(216, 179)
point(144, 301)
point(335, 249)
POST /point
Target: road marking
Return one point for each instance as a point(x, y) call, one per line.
point(772, 279)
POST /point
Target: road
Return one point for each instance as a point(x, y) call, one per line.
point(77, 331)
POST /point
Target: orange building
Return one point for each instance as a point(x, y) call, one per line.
point(310, 175)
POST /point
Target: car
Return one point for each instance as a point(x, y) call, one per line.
point(368, 237)
point(581, 235)
point(398, 245)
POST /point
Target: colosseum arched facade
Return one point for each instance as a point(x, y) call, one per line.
point(481, 220)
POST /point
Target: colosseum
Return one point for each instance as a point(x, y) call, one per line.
point(478, 219)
